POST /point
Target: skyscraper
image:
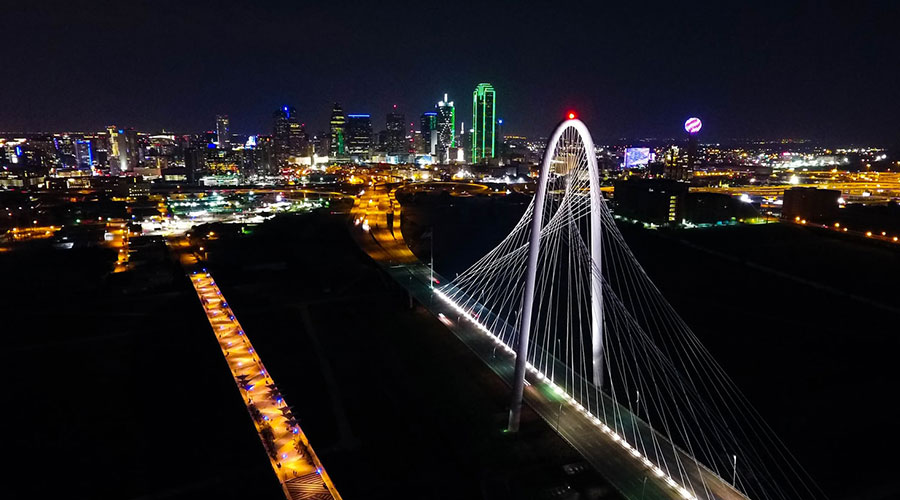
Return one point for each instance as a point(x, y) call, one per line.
point(288, 135)
point(123, 154)
point(428, 127)
point(484, 121)
point(338, 145)
point(194, 164)
point(396, 138)
point(297, 139)
point(359, 134)
point(446, 127)
point(223, 132)
point(84, 155)
point(281, 133)
point(428, 122)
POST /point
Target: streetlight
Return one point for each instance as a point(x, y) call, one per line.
point(734, 475)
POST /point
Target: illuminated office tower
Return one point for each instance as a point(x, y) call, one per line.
point(428, 122)
point(283, 122)
point(297, 139)
point(223, 132)
point(288, 135)
point(446, 126)
point(358, 133)
point(396, 136)
point(122, 150)
point(428, 127)
point(338, 138)
point(84, 155)
point(484, 122)
point(133, 148)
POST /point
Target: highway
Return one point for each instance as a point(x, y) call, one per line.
point(851, 184)
point(296, 465)
point(377, 214)
point(377, 231)
point(119, 239)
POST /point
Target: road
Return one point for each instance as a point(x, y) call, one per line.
point(16, 234)
point(851, 184)
point(381, 236)
point(299, 470)
point(378, 233)
point(119, 237)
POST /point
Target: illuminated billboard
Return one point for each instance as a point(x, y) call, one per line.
point(636, 156)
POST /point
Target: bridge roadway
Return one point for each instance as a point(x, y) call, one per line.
point(382, 239)
point(299, 471)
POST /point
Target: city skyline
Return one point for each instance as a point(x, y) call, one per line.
point(653, 257)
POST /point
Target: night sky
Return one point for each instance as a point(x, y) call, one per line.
point(819, 70)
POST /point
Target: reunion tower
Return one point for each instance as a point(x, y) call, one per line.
point(692, 126)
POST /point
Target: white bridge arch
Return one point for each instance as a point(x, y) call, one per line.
point(569, 133)
point(564, 294)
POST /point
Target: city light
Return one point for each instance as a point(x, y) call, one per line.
point(287, 169)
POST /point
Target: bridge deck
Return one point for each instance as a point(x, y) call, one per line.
point(295, 463)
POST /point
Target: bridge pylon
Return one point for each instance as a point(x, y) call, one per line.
point(549, 161)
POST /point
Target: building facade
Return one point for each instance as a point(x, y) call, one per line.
point(83, 153)
point(446, 126)
point(123, 150)
point(284, 127)
point(396, 136)
point(359, 135)
point(428, 128)
point(656, 201)
point(223, 132)
point(338, 144)
point(484, 123)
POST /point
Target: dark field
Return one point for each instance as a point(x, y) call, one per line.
point(118, 395)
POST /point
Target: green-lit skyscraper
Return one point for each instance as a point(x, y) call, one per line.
point(484, 123)
point(338, 133)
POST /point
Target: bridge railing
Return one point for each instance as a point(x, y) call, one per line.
point(624, 422)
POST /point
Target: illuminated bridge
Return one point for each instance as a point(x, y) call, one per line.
point(564, 313)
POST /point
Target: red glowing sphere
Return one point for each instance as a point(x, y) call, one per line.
point(571, 115)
